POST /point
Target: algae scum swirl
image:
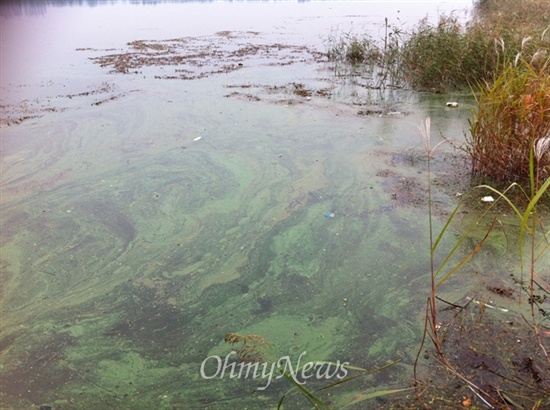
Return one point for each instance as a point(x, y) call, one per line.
point(148, 212)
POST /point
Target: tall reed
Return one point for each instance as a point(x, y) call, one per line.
point(511, 119)
point(376, 60)
point(451, 54)
point(536, 247)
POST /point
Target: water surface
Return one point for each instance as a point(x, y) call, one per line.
point(147, 214)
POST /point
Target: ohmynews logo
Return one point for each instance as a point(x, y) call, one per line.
point(267, 370)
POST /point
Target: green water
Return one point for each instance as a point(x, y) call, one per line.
point(129, 249)
point(144, 221)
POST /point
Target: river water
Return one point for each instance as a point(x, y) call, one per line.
point(211, 177)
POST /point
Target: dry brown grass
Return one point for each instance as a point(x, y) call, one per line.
point(511, 124)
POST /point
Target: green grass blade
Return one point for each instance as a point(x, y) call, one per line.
point(456, 246)
point(363, 373)
point(525, 217)
point(503, 196)
point(312, 398)
point(280, 403)
point(347, 366)
point(375, 394)
point(444, 229)
point(467, 258)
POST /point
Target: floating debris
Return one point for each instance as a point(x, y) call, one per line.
point(490, 305)
point(329, 215)
point(198, 138)
point(452, 104)
point(380, 112)
point(488, 199)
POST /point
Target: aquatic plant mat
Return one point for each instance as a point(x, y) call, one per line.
point(198, 57)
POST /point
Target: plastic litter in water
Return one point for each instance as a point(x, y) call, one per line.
point(487, 199)
point(329, 215)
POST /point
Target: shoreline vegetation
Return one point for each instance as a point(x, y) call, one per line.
point(502, 56)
